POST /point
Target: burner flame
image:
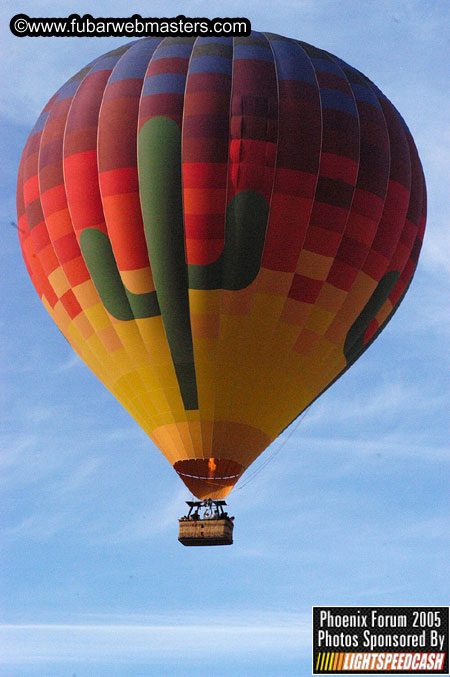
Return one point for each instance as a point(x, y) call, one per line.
point(211, 467)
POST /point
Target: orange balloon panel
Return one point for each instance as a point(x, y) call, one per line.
point(220, 227)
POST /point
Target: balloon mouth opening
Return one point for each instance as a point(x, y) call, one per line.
point(209, 477)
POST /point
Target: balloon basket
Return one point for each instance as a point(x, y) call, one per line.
point(206, 524)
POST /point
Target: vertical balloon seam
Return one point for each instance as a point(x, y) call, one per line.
point(193, 398)
point(228, 269)
point(357, 340)
point(215, 434)
point(259, 285)
point(321, 175)
point(176, 290)
point(383, 324)
point(136, 315)
point(170, 427)
point(277, 324)
point(411, 180)
point(143, 304)
point(24, 231)
point(414, 216)
point(357, 352)
point(374, 235)
point(35, 263)
point(308, 405)
point(348, 208)
point(217, 426)
point(206, 439)
point(222, 427)
point(340, 373)
point(99, 247)
point(414, 161)
point(193, 404)
point(175, 429)
point(349, 204)
point(34, 267)
point(37, 253)
point(86, 253)
point(171, 430)
point(200, 450)
point(283, 357)
point(314, 54)
point(214, 431)
point(147, 299)
point(45, 209)
point(35, 270)
point(342, 65)
point(247, 333)
point(182, 427)
point(205, 277)
point(351, 212)
point(32, 260)
point(395, 307)
point(387, 261)
point(145, 415)
point(147, 302)
point(165, 288)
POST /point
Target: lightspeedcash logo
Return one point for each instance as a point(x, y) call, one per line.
point(385, 640)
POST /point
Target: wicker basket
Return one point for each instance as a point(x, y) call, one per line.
point(206, 531)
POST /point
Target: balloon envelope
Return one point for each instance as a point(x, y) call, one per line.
point(220, 227)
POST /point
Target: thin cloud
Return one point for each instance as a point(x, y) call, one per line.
point(386, 398)
point(26, 462)
point(72, 361)
point(85, 472)
point(14, 449)
point(149, 523)
point(166, 639)
point(37, 413)
point(40, 526)
point(378, 397)
point(436, 251)
point(391, 445)
point(420, 530)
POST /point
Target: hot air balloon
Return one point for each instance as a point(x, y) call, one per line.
point(219, 227)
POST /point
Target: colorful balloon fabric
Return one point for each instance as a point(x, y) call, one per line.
point(220, 227)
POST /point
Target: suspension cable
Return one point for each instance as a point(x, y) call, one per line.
point(275, 451)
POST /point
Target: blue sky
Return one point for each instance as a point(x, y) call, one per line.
point(352, 507)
